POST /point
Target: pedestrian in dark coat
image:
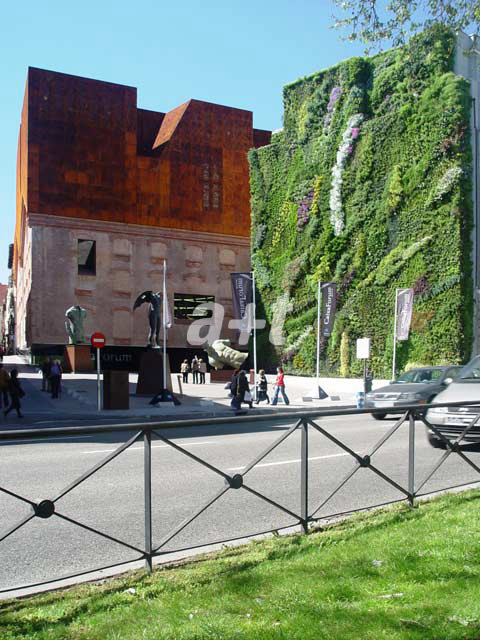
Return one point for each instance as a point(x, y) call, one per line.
point(243, 389)
point(55, 378)
point(4, 385)
point(46, 366)
point(195, 369)
point(262, 387)
point(16, 392)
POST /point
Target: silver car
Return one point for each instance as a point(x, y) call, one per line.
point(452, 421)
point(417, 386)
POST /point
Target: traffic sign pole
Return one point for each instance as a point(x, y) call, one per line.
point(98, 341)
point(99, 393)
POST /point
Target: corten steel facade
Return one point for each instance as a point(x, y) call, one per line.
point(140, 187)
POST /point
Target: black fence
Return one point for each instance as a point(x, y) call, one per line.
point(309, 510)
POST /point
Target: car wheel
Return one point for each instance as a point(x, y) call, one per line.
point(379, 416)
point(434, 441)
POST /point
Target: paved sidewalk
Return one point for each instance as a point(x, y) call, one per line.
point(79, 396)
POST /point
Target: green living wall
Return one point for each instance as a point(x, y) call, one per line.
point(368, 185)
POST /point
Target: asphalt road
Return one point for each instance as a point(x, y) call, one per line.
point(112, 500)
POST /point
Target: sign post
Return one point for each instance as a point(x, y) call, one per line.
point(363, 353)
point(98, 341)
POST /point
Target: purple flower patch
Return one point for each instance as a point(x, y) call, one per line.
point(303, 210)
point(334, 96)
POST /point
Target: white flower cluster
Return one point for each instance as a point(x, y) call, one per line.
point(344, 150)
point(447, 182)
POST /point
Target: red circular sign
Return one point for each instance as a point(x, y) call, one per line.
point(98, 340)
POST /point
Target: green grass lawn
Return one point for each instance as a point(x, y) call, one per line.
point(398, 573)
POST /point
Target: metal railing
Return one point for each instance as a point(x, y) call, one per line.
point(302, 421)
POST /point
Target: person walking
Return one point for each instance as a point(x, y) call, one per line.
point(195, 364)
point(55, 377)
point(4, 384)
point(16, 392)
point(202, 370)
point(262, 387)
point(243, 390)
point(45, 369)
point(184, 369)
point(280, 387)
point(232, 385)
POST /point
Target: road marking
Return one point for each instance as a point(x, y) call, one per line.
point(42, 440)
point(273, 464)
point(154, 446)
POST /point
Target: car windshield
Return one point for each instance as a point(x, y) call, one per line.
point(471, 371)
point(420, 375)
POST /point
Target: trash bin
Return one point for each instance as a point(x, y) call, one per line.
point(360, 399)
point(116, 390)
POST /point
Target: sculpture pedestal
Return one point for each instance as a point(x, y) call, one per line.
point(77, 359)
point(116, 390)
point(150, 375)
point(221, 375)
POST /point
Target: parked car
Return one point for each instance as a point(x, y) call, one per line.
point(417, 386)
point(451, 421)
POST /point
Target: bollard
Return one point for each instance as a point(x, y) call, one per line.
point(360, 399)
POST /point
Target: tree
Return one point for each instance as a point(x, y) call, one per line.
point(374, 22)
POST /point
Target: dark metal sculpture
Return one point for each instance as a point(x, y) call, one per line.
point(154, 315)
point(74, 324)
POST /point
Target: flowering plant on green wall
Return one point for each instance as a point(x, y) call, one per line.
point(350, 134)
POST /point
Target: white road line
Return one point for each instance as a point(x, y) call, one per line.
point(154, 446)
point(42, 440)
point(273, 464)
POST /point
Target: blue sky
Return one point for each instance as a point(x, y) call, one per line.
point(235, 53)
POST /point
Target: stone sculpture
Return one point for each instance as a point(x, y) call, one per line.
point(74, 324)
point(154, 315)
point(220, 353)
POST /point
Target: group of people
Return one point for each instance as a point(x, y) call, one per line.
point(52, 377)
point(241, 394)
point(10, 391)
point(198, 368)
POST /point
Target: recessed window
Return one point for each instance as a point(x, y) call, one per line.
point(86, 257)
point(190, 307)
point(211, 186)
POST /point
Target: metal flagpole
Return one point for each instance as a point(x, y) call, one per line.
point(254, 338)
point(319, 296)
point(164, 316)
point(395, 335)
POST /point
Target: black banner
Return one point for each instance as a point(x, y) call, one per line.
point(329, 303)
point(242, 297)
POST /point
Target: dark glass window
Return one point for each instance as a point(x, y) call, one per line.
point(86, 257)
point(188, 306)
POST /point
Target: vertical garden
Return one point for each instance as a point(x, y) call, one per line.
point(368, 185)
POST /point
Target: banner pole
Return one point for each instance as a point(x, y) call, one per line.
point(254, 338)
point(395, 335)
point(164, 317)
point(319, 296)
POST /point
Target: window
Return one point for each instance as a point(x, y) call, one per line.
point(86, 257)
point(211, 186)
point(189, 307)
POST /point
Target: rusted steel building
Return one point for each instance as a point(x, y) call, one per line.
point(106, 191)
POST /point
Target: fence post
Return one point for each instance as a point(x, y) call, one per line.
point(411, 457)
point(304, 477)
point(147, 471)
